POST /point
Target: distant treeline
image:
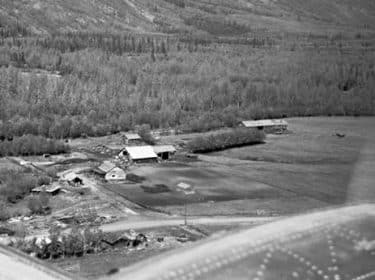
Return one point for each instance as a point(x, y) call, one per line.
point(28, 145)
point(179, 3)
point(218, 26)
point(195, 85)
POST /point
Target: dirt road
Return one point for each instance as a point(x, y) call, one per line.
point(126, 225)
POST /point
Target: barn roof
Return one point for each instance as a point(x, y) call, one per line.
point(106, 166)
point(141, 152)
point(131, 136)
point(260, 123)
point(164, 149)
point(49, 189)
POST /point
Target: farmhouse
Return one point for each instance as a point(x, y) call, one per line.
point(140, 154)
point(271, 126)
point(116, 174)
point(131, 138)
point(164, 151)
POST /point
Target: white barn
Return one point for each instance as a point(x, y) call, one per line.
point(140, 153)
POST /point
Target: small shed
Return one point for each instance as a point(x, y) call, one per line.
point(270, 125)
point(164, 151)
point(131, 138)
point(73, 179)
point(116, 174)
point(52, 190)
point(140, 153)
point(186, 188)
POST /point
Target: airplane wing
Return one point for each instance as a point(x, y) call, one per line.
point(336, 244)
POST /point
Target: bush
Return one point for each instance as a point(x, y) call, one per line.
point(39, 205)
point(145, 132)
point(4, 213)
point(44, 180)
point(35, 206)
point(236, 137)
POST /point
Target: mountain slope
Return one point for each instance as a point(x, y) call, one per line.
point(186, 16)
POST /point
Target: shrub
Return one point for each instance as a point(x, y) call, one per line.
point(236, 137)
point(39, 205)
point(4, 213)
point(145, 132)
point(44, 180)
point(44, 199)
point(35, 205)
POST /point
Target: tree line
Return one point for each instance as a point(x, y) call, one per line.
point(100, 92)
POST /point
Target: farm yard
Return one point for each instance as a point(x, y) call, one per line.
point(131, 128)
point(311, 165)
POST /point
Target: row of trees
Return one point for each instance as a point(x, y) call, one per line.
point(28, 145)
point(224, 140)
point(111, 43)
point(218, 26)
point(78, 242)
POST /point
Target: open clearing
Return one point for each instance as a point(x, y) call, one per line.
point(311, 167)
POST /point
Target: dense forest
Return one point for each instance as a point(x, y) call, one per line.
point(74, 84)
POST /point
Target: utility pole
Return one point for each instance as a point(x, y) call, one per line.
point(185, 213)
point(186, 189)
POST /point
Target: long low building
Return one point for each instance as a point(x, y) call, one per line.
point(140, 153)
point(270, 124)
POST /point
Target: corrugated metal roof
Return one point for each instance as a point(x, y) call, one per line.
point(131, 136)
point(263, 123)
point(141, 152)
point(164, 149)
point(106, 166)
point(49, 189)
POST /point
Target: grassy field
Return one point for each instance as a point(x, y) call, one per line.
point(311, 167)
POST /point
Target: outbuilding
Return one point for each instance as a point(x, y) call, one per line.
point(131, 138)
point(140, 154)
point(269, 125)
point(164, 152)
point(52, 190)
point(185, 188)
point(116, 174)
